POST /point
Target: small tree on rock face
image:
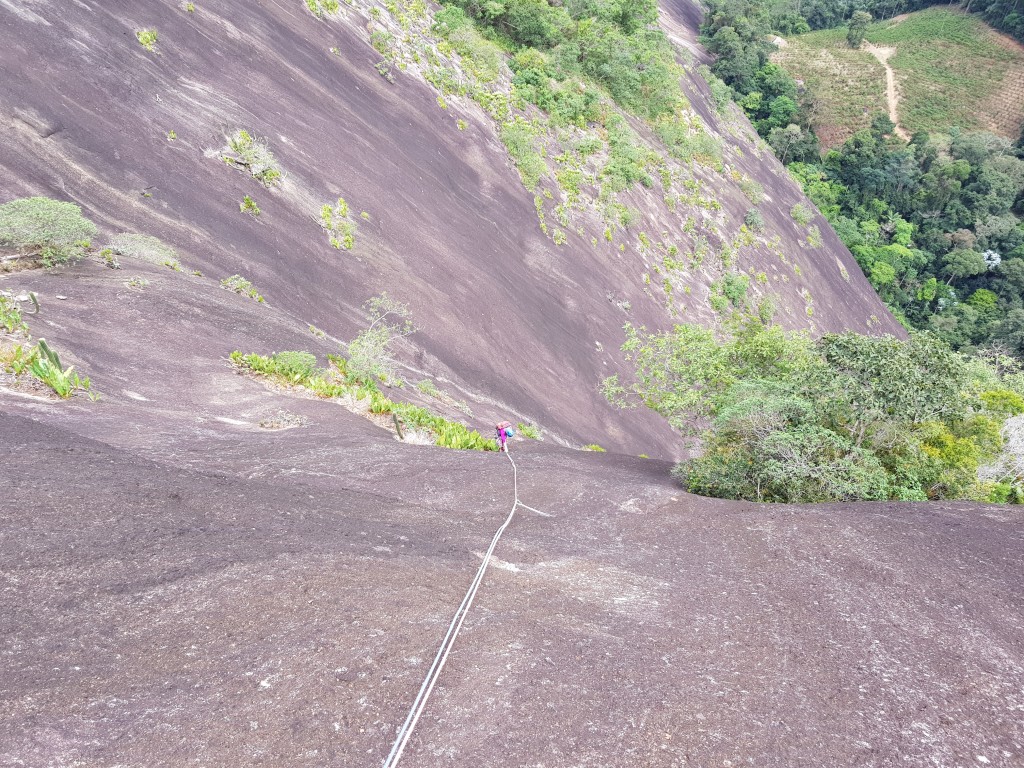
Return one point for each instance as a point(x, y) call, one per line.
point(369, 354)
point(52, 230)
point(857, 26)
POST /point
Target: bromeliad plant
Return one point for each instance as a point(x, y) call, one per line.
point(48, 369)
point(44, 363)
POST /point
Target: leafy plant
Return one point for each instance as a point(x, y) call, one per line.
point(147, 38)
point(137, 282)
point(594, 447)
point(369, 353)
point(299, 369)
point(241, 286)
point(801, 214)
point(321, 8)
point(427, 387)
point(10, 316)
point(336, 222)
point(248, 205)
point(845, 417)
point(45, 365)
point(142, 247)
point(754, 220)
point(51, 230)
point(531, 431)
point(252, 155)
point(297, 366)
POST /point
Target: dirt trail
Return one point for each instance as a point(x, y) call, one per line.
point(883, 53)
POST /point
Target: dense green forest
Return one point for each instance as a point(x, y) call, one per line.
point(781, 416)
point(935, 223)
point(841, 418)
point(616, 44)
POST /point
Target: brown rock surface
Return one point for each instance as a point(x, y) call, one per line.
point(181, 587)
point(253, 598)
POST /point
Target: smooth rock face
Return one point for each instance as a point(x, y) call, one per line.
point(518, 325)
point(181, 586)
point(230, 596)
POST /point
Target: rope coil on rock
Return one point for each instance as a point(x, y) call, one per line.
point(405, 732)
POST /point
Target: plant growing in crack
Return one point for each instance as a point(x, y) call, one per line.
point(242, 287)
point(369, 353)
point(52, 231)
point(336, 222)
point(147, 38)
point(321, 8)
point(44, 364)
point(248, 205)
point(252, 155)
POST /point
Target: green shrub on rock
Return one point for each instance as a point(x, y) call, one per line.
point(142, 247)
point(785, 418)
point(54, 231)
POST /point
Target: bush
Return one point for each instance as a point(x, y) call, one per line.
point(753, 191)
point(688, 143)
point(427, 387)
point(721, 94)
point(628, 160)
point(846, 417)
point(754, 220)
point(142, 247)
point(383, 42)
point(147, 38)
point(734, 287)
point(251, 154)
point(52, 230)
point(369, 353)
point(340, 229)
point(518, 137)
point(241, 286)
point(801, 214)
point(295, 365)
point(321, 8)
point(616, 45)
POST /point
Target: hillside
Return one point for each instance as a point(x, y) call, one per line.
point(510, 320)
point(950, 69)
point(202, 566)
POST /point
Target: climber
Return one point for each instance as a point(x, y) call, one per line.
point(504, 431)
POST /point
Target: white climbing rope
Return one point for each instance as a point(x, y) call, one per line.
point(420, 703)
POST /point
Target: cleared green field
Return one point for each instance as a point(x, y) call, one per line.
point(847, 86)
point(951, 70)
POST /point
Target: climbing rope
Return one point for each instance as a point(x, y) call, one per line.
point(420, 703)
